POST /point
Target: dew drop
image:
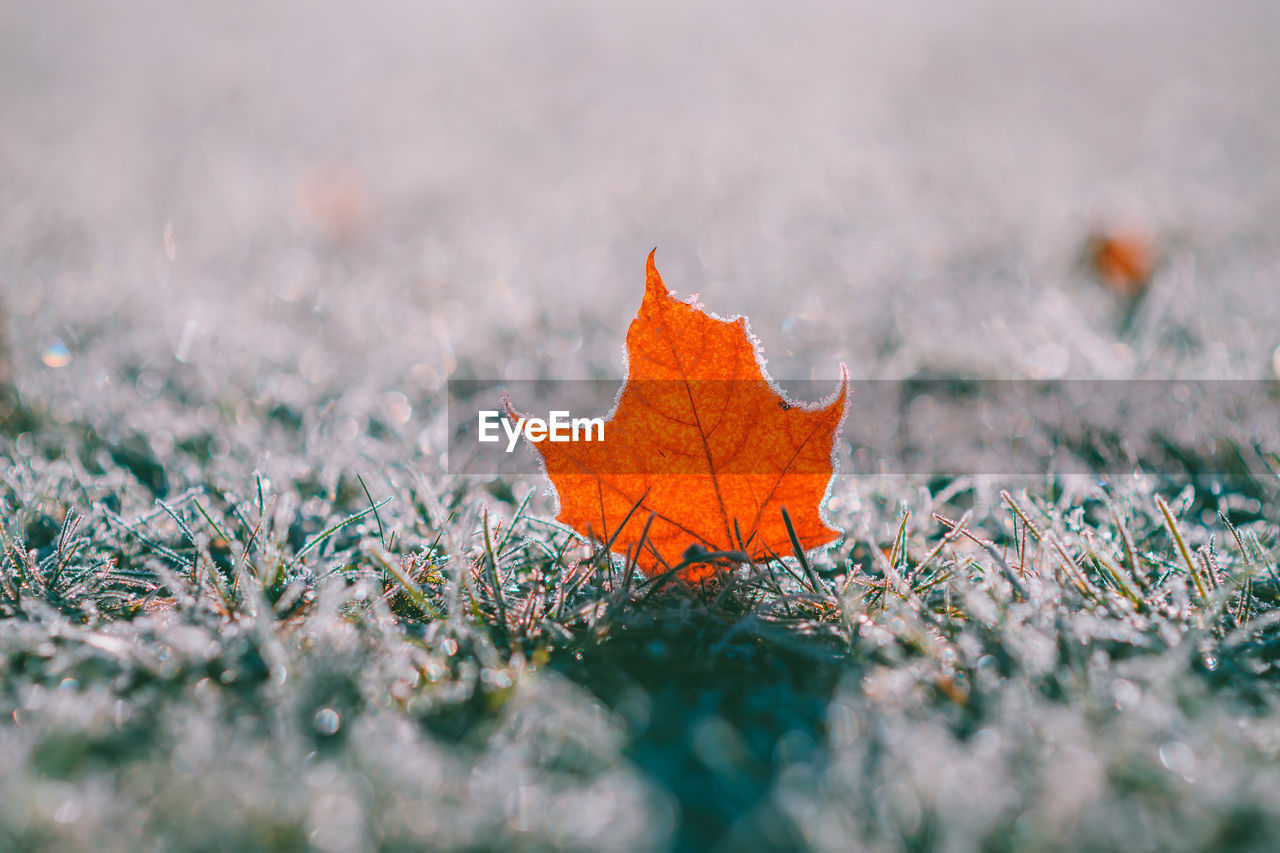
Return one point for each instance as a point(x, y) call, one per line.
point(56, 355)
point(327, 721)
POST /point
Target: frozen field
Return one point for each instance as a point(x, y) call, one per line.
point(243, 248)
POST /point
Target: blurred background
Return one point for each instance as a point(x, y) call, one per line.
point(368, 199)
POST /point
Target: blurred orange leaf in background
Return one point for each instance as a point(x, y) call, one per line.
point(701, 453)
point(1123, 259)
point(335, 200)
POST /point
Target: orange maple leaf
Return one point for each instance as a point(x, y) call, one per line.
point(701, 453)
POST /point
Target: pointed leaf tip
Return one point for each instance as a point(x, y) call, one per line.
point(652, 280)
point(841, 401)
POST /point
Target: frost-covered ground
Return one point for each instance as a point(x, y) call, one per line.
point(242, 248)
